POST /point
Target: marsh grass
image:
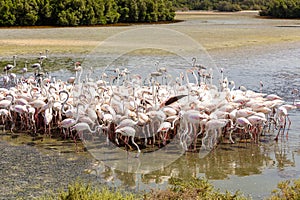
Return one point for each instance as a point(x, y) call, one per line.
point(192, 189)
point(287, 190)
point(180, 189)
point(81, 191)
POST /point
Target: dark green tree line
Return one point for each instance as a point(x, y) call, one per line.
point(83, 12)
point(7, 13)
point(221, 5)
point(145, 11)
point(282, 9)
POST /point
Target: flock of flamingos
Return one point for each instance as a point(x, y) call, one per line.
point(139, 113)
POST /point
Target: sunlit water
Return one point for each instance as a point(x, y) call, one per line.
point(255, 169)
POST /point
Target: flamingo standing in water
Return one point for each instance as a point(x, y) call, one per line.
point(165, 127)
point(191, 120)
point(9, 67)
point(6, 104)
point(128, 132)
point(67, 123)
point(81, 127)
point(45, 56)
point(215, 126)
point(282, 117)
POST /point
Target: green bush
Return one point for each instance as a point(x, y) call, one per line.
point(287, 190)
point(282, 9)
point(80, 191)
point(226, 6)
point(180, 189)
point(83, 12)
point(7, 13)
point(221, 5)
point(192, 189)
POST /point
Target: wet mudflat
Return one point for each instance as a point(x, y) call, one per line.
point(30, 170)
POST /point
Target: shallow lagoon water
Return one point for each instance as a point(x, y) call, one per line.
point(255, 169)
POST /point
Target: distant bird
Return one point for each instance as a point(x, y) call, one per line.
point(24, 69)
point(9, 67)
point(36, 66)
point(43, 57)
point(198, 66)
point(261, 86)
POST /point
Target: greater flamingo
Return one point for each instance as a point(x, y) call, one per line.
point(128, 132)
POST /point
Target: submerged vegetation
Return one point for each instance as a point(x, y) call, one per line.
point(180, 189)
point(83, 12)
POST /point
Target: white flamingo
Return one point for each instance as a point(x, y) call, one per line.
point(128, 131)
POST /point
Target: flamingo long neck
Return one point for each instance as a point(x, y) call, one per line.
point(173, 123)
point(196, 78)
point(187, 78)
point(79, 77)
point(12, 99)
point(43, 88)
point(65, 101)
point(233, 87)
point(211, 75)
point(95, 129)
point(77, 112)
point(194, 62)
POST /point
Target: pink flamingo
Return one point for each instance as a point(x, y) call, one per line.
point(128, 132)
point(281, 116)
point(215, 126)
point(81, 127)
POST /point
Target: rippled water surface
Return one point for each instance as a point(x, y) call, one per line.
point(32, 167)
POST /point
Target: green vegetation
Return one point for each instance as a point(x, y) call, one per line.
point(287, 190)
point(79, 190)
point(221, 5)
point(282, 9)
point(96, 12)
point(192, 189)
point(83, 12)
point(274, 8)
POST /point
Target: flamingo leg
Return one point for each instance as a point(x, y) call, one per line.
point(287, 132)
point(204, 138)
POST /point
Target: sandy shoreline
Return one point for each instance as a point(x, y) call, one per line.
point(213, 30)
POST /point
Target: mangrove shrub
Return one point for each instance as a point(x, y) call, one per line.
point(282, 9)
point(83, 12)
